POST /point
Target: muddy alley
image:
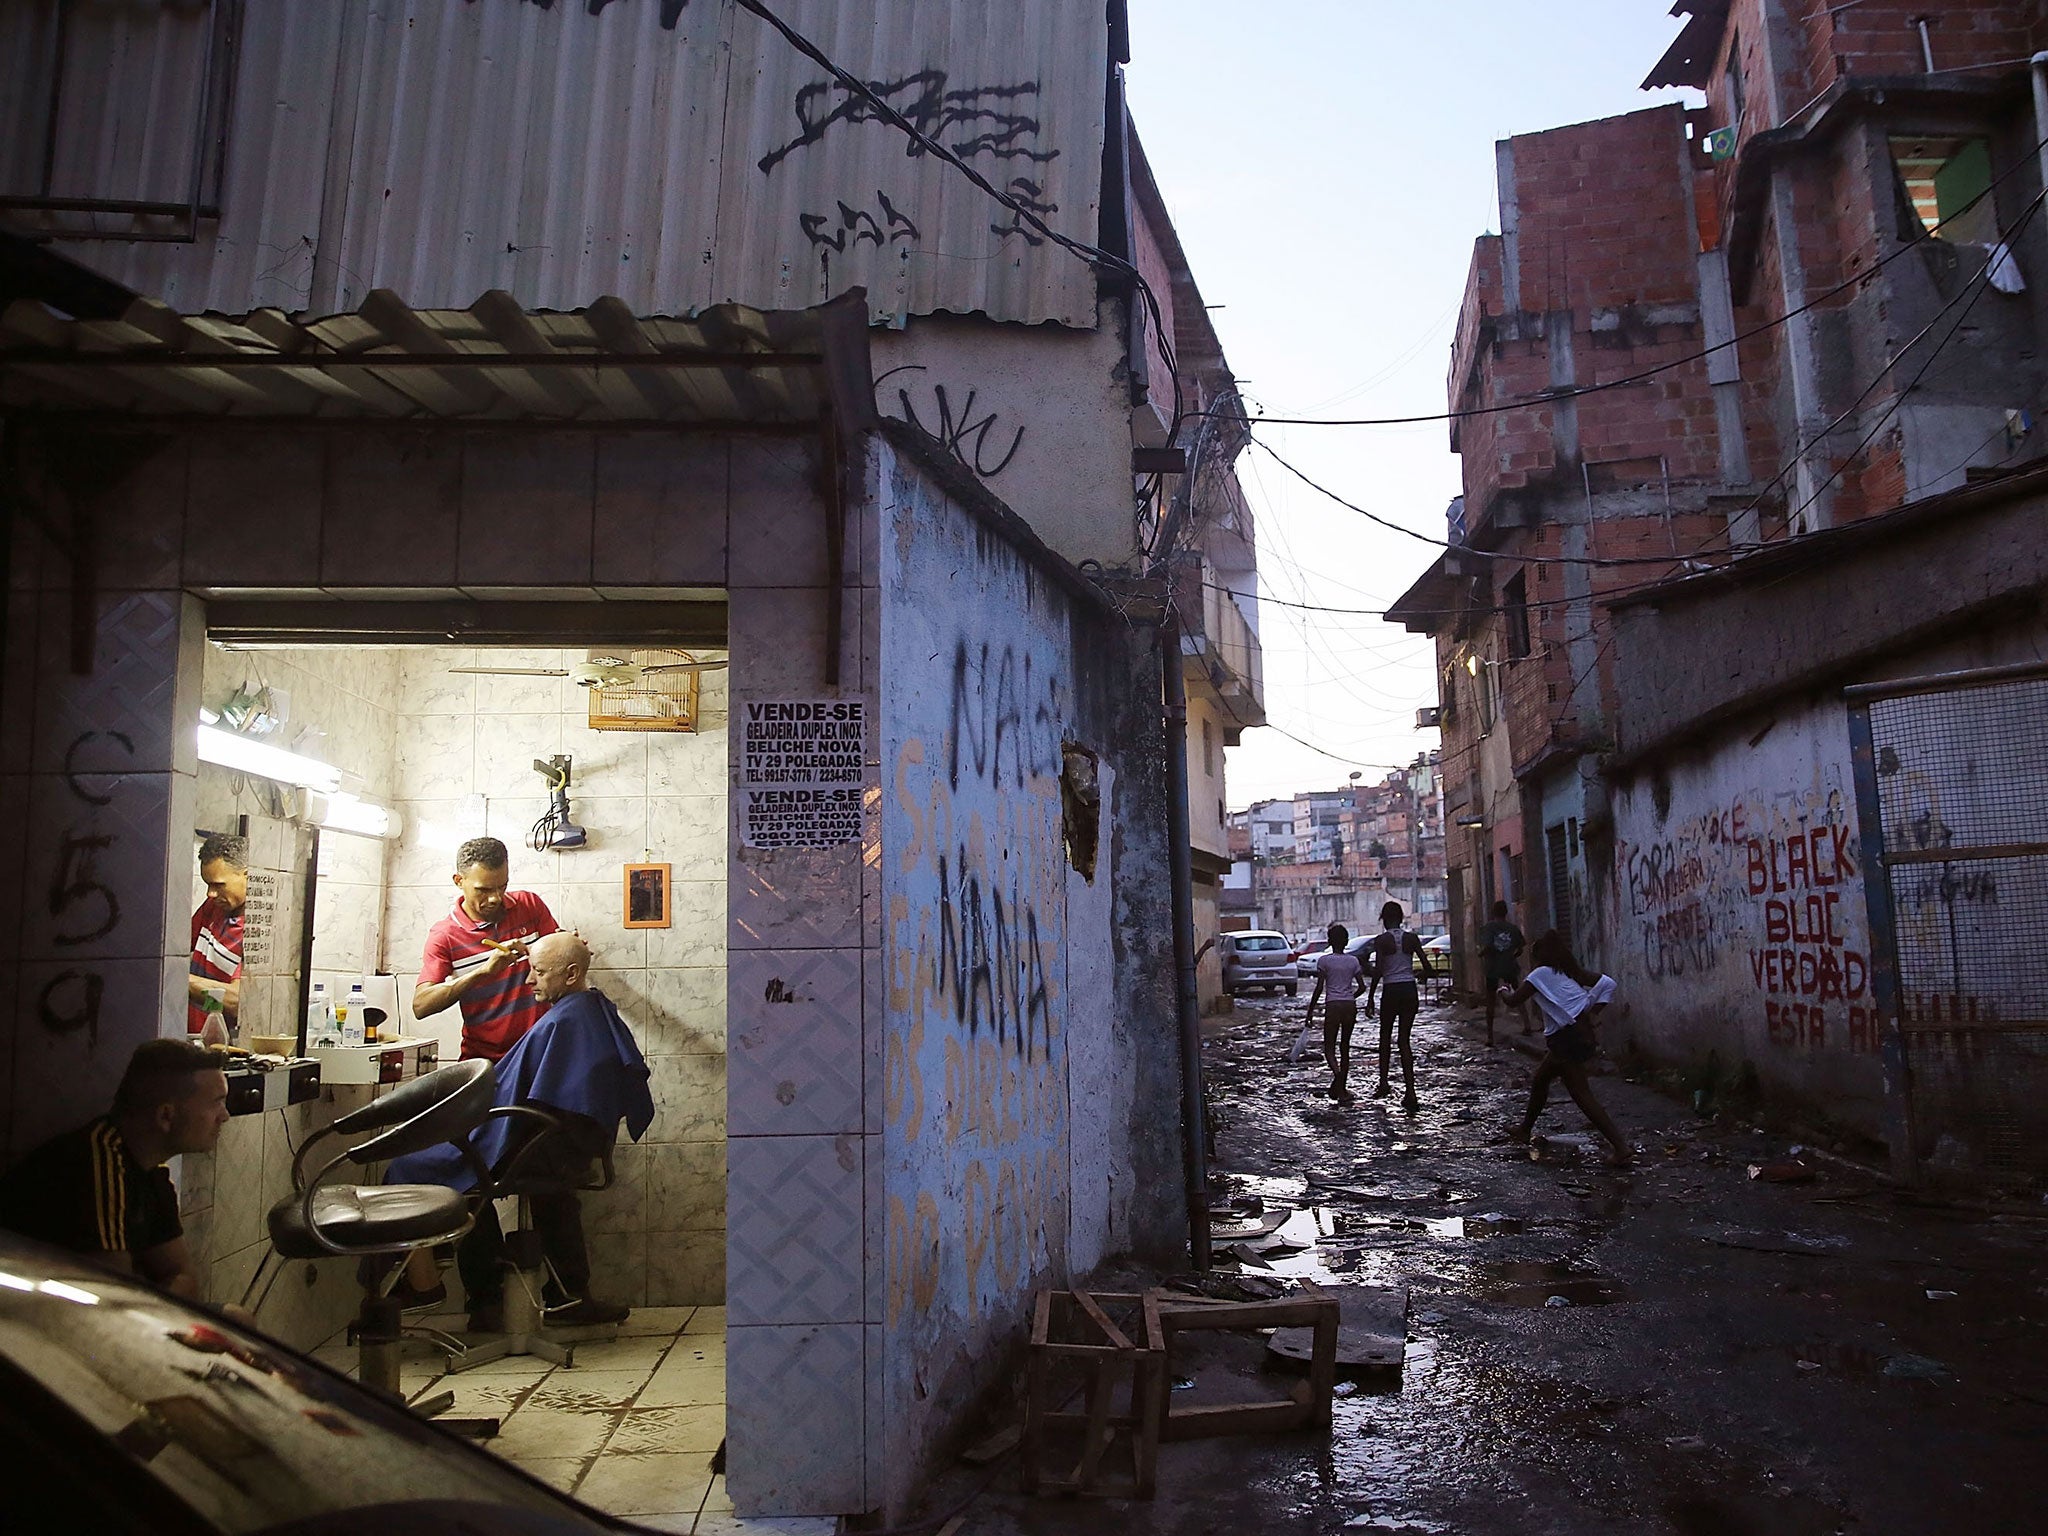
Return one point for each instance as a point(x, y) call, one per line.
point(1680, 1348)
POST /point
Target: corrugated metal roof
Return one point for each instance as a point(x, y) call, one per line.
point(443, 148)
point(1690, 58)
point(491, 361)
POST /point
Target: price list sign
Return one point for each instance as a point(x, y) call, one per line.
point(801, 763)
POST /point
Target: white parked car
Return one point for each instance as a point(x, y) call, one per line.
point(1258, 960)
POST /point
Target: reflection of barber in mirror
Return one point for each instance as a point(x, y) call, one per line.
point(103, 1191)
point(476, 955)
point(216, 970)
point(579, 1061)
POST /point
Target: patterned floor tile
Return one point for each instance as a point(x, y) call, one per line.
point(666, 1483)
point(537, 1431)
point(649, 1430)
point(579, 1390)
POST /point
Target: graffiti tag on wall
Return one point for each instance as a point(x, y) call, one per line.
point(1772, 886)
point(975, 1068)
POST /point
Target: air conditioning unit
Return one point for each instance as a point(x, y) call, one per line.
point(1429, 719)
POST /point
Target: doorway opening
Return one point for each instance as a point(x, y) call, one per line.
point(604, 774)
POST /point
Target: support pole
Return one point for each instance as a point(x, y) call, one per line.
point(1194, 1118)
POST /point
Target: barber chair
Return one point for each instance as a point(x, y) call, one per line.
point(531, 1167)
point(320, 1220)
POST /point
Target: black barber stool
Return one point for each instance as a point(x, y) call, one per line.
point(550, 1152)
point(319, 1221)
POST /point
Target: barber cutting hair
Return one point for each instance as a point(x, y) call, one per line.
point(476, 955)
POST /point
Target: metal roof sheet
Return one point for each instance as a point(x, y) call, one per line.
point(673, 157)
point(1690, 58)
point(491, 361)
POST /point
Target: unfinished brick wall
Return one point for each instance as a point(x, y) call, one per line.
point(1605, 241)
point(1878, 37)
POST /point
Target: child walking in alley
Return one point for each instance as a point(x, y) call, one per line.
point(1571, 999)
point(1390, 960)
point(1340, 972)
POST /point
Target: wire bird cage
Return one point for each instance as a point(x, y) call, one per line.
point(662, 694)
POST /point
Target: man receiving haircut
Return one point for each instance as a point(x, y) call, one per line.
point(216, 970)
point(580, 1063)
point(102, 1190)
point(476, 955)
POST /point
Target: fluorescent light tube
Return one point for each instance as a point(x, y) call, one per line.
point(228, 749)
point(344, 812)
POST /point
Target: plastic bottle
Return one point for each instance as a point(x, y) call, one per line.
point(320, 1031)
point(215, 1029)
point(351, 1016)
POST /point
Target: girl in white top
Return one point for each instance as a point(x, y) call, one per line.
point(1571, 999)
point(1342, 974)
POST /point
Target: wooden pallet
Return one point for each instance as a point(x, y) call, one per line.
point(1073, 1333)
point(1310, 1406)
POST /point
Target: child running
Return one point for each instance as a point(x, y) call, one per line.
point(1571, 999)
point(1340, 971)
point(1391, 960)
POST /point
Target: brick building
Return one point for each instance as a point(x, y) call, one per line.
point(1757, 386)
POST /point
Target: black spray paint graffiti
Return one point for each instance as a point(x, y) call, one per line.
point(1016, 710)
point(981, 120)
point(991, 960)
point(671, 10)
point(71, 1000)
point(857, 224)
point(1026, 195)
point(959, 431)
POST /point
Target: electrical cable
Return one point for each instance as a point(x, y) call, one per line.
point(1463, 549)
point(1576, 391)
point(1092, 254)
point(1966, 296)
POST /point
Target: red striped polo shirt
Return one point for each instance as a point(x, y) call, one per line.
point(216, 953)
point(497, 1012)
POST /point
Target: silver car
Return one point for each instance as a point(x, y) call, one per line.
point(1258, 960)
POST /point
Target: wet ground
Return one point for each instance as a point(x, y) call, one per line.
point(1678, 1348)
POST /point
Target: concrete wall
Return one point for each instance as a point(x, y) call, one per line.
point(1040, 415)
point(1739, 924)
point(1009, 1078)
point(1710, 652)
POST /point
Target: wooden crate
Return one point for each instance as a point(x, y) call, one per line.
point(1310, 1407)
point(1073, 1334)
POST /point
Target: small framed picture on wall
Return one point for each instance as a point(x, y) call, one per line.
point(647, 896)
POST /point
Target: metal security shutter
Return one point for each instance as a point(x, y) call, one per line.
point(1560, 876)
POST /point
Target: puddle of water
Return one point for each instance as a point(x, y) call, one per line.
point(1533, 1284)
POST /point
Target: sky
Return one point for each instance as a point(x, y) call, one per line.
point(1328, 164)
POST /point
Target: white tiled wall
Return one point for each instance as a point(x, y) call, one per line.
point(339, 711)
point(464, 755)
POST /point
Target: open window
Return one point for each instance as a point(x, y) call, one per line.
point(1515, 610)
point(1944, 188)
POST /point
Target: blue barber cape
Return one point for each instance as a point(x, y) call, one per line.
point(580, 1058)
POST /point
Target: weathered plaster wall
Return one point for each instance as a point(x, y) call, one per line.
point(1740, 925)
point(1005, 1168)
point(976, 1108)
point(1039, 414)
